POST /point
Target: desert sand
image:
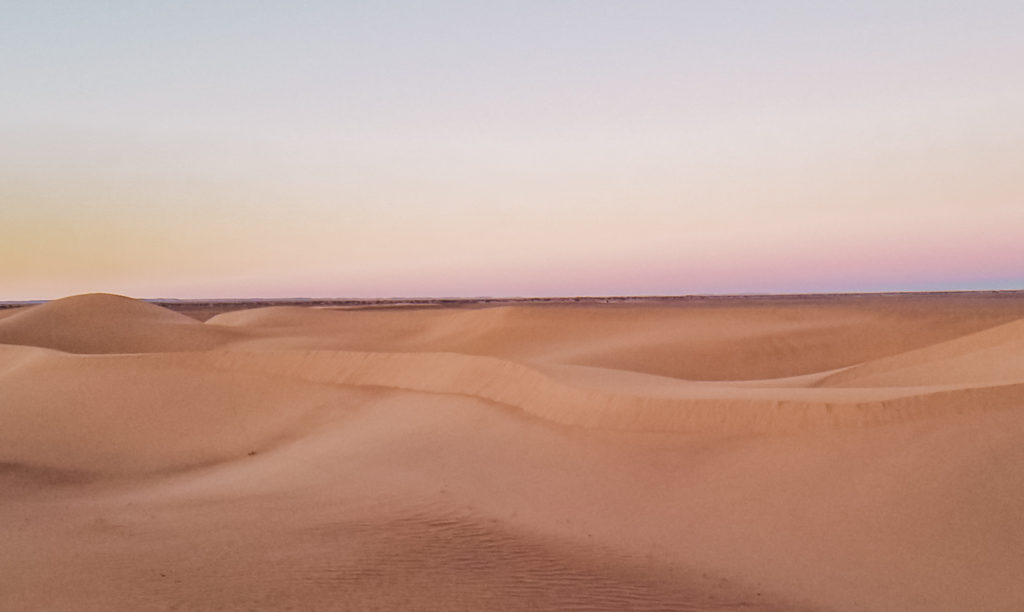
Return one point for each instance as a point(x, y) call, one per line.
point(815, 453)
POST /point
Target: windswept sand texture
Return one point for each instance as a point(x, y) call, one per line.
point(817, 453)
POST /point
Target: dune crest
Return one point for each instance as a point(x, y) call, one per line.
point(709, 409)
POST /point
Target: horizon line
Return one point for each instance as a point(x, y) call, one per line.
point(499, 298)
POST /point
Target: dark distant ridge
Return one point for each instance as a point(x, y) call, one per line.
point(588, 299)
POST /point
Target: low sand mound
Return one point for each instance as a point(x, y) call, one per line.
point(6, 312)
point(992, 356)
point(104, 323)
point(274, 317)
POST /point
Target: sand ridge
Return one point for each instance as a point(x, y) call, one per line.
point(815, 454)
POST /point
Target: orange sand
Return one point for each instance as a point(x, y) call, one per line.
point(843, 453)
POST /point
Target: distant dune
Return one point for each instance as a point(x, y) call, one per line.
point(793, 454)
point(101, 323)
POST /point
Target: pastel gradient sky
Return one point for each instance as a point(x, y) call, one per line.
point(324, 148)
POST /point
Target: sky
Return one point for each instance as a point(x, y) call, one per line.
point(204, 149)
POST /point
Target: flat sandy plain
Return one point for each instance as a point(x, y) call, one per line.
point(860, 452)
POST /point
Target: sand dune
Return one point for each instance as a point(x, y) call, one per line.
point(102, 323)
point(820, 453)
point(697, 342)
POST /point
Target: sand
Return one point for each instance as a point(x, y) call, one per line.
point(816, 453)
